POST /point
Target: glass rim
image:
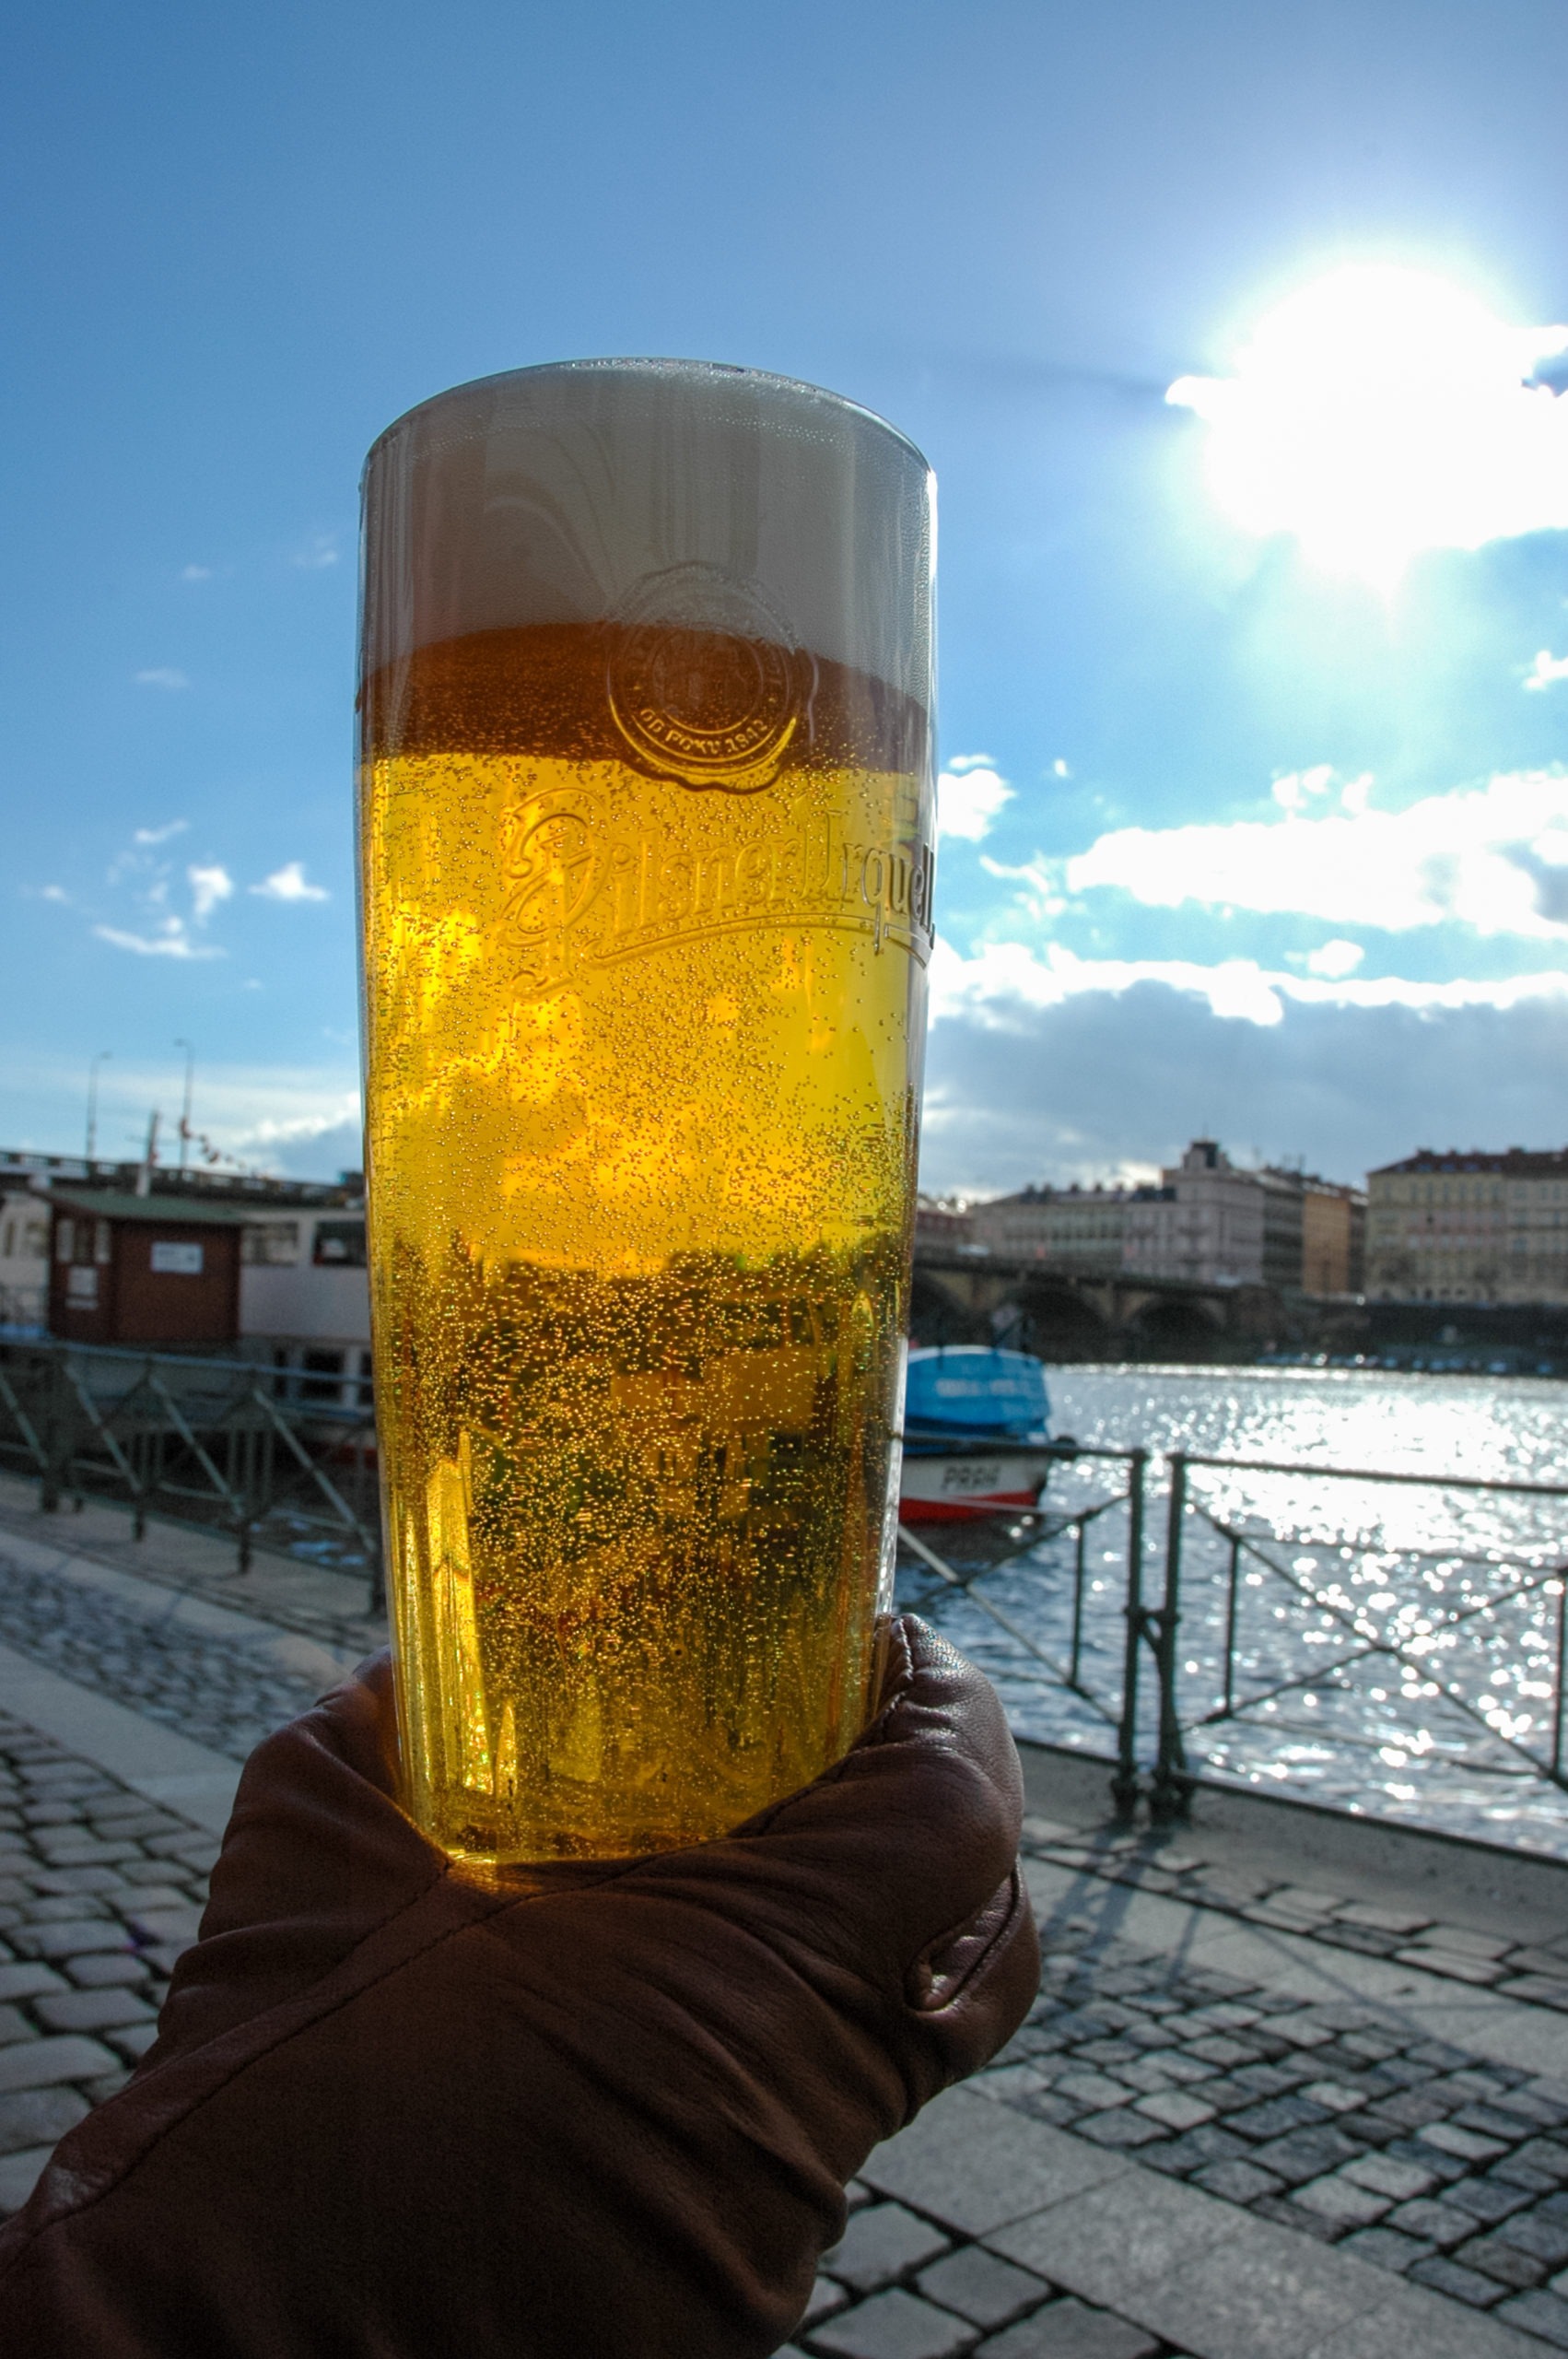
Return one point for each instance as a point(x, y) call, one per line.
point(652, 364)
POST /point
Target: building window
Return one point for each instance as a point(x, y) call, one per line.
point(340, 1244)
point(270, 1244)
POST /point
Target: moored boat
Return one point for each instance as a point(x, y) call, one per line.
point(977, 1433)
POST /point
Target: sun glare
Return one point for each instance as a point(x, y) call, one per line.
point(1381, 411)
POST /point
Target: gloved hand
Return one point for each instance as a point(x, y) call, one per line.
point(396, 2111)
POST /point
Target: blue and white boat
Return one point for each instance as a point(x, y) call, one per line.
point(977, 1433)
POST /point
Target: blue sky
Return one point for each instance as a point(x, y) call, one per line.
point(1236, 841)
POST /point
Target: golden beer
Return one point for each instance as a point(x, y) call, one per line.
point(647, 910)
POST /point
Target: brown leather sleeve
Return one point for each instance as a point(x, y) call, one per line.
point(395, 2112)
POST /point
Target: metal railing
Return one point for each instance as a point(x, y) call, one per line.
point(999, 1541)
point(1290, 1605)
point(1422, 1611)
point(227, 1444)
point(1273, 1602)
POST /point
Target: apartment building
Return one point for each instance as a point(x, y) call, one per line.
point(1333, 1237)
point(1469, 1228)
point(1216, 1225)
point(942, 1224)
point(1074, 1229)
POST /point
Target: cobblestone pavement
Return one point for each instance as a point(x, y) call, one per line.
point(289, 1592)
point(99, 1892)
point(901, 2285)
point(1535, 1972)
point(1417, 2156)
point(211, 1689)
point(1327, 2120)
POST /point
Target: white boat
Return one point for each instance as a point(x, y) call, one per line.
point(952, 1486)
point(977, 1433)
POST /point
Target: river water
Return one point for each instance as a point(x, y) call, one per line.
point(1394, 1649)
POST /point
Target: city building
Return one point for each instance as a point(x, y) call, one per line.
point(941, 1224)
point(1284, 1197)
point(1333, 1237)
point(1074, 1229)
point(1469, 1227)
point(1212, 1223)
point(1208, 1221)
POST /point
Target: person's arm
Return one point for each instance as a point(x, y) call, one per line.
point(397, 2113)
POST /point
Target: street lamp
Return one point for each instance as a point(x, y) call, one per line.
point(185, 1110)
point(102, 1057)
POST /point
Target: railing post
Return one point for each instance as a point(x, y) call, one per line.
point(1561, 1652)
point(1124, 1784)
point(1172, 1787)
point(1232, 1584)
point(369, 1516)
point(1077, 1604)
point(56, 1437)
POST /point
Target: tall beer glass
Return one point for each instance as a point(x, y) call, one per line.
point(645, 826)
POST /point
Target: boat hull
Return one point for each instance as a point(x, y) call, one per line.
point(958, 1484)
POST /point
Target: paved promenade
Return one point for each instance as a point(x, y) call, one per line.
point(1284, 2095)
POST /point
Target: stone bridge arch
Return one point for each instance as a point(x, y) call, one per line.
point(1059, 1320)
point(1174, 1327)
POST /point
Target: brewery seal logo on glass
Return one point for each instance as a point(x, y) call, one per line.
point(705, 679)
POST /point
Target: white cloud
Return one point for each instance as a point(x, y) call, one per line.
point(1107, 1078)
point(162, 676)
point(1059, 769)
point(1547, 670)
point(1494, 857)
point(288, 884)
point(55, 893)
point(140, 873)
point(318, 551)
point(1380, 411)
point(173, 941)
point(1335, 960)
point(210, 885)
point(961, 762)
point(968, 801)
point(1003, 979)
point(196, 573)
point(304, 1117)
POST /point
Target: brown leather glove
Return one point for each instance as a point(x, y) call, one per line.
point(396, 2112)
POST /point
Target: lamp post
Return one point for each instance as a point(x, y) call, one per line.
point(102, 1057)
point(185, 1110)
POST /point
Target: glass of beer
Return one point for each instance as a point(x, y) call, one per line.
point(645, 802)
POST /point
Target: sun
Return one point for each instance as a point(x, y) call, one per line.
point(1380, 411)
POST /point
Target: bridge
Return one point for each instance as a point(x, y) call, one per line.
point(965, 1297)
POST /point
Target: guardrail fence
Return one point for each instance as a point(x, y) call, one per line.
point(1306, 1609)
point(1350, 1598)
point(229, 1444)
point(1074, 1644)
